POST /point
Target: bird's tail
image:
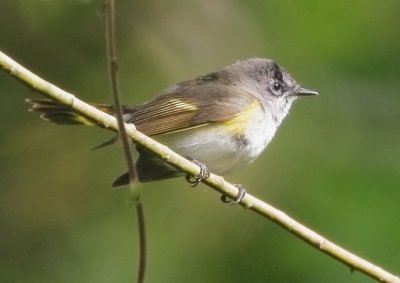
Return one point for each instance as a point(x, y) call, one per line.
point(149, 166)
point(57, 113)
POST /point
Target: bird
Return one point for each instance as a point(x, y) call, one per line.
point(223, 120)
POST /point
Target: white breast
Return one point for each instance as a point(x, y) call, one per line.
point(260, 131)
point(218, 149)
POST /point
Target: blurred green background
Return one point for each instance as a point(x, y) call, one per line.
point(334, 164)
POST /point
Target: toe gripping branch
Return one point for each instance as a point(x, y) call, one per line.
point(204, 173)
point(238, 198)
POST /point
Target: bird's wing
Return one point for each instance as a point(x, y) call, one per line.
point(188, 106)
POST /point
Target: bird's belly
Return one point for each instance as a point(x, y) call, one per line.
point(220, 149)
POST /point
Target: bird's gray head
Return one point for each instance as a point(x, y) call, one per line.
point(269, 82)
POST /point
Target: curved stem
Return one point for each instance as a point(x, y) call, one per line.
point(109, 12)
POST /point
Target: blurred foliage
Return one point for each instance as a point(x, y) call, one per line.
point(334, 164)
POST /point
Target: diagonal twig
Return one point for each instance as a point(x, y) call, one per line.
point(353, 261)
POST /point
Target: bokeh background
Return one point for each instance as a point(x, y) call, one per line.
point(334, 164)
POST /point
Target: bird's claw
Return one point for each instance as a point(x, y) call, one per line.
point(238, 198)
point(204, 174)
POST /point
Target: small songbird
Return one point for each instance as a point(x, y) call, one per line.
point(224, 119)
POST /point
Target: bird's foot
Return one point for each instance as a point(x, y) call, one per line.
point(238, 198)
point(204, 173)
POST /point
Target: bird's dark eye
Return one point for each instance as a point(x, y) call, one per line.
point(276, 87)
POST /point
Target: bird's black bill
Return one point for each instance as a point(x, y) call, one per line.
point(305, 92)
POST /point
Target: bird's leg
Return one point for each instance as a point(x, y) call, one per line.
point(238, 198)
point(204, 173)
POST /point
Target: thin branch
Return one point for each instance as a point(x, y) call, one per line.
point(142, 242)
point(109, 12)
point(307, 235)
point(113, 74)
